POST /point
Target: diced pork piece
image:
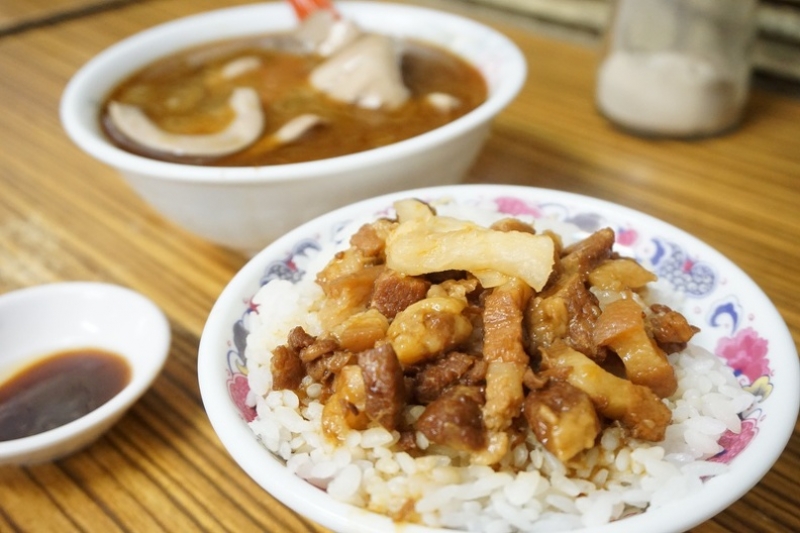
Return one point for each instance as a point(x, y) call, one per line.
point(621, 327)
point(345, 409)
point(584, 256)
point(534, 381)
point(347, 295)
point(466, 289)
point(393, 292)
point(384, 385)
point(620, 274)
point(361, 331)
point(635, 406)
point(347, 279)
point(474, 343)
point(429, 328)
point(440, 374)
point(320, 348)
point(287, 369)
point(502, 323)
point(370, 239)
point(325, 368)
point(477, 374)
point(455, 420)
point(464, 286)
point(563, 418)
point(568, 311)
point(299, 339)
point(309, 347)
point(367, 246)
point(669, 328)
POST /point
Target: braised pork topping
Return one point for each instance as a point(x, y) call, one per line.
point(464, 354)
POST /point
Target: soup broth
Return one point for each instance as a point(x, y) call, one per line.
point(187, 93)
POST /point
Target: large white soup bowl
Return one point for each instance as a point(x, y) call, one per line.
point(247, 207)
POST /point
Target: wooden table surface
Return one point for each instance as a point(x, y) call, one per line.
point(17, 16)
point(64, 216)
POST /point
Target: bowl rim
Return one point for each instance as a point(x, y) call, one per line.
point(143, 370)
point(295, 492)
point(94, 142)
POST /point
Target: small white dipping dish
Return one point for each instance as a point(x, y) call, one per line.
point(245, 208)
point(40, 321)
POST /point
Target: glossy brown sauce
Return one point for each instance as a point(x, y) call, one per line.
point(58, 389)
point(187, 94)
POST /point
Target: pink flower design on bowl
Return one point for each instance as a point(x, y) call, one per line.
point(238, 390)
point(733, 443)
point(746, 353)
point(515, 206)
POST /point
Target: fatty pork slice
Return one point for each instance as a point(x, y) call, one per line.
point(635, 406)
point(506, 364)
point(584, 256)
point(346, 408)
point(347, 295)
point(287, 369)
point(455, 420)
point(384, 385)
point(566, 311)
point(669, 328)
point(435, 377)
point(321, 358)
point(620, 274)
point(347, 280)
point(424, 243)
point(428, 328)
point(361, 331)
point(309, 347)
point(563, 418)
point(621, 327)
point(393, 292)
point(367, 246)
point(504, 352)
point(288, 364)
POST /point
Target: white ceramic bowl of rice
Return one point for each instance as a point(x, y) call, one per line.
point(733, 413)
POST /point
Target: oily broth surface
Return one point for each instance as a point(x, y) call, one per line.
point(186, 93)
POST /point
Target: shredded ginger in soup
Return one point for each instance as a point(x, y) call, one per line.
point(289, 97)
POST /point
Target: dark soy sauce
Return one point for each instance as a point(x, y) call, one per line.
point(58, 389)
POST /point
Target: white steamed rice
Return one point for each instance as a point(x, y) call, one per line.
point(533, 492)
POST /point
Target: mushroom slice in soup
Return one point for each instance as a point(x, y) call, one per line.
point(296, 128)
point(365, 73)
point(244, 130)
point(239, 66)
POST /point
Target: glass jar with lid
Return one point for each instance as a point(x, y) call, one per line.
point(677, 68)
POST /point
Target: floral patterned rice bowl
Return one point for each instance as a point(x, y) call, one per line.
point(738, 323)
